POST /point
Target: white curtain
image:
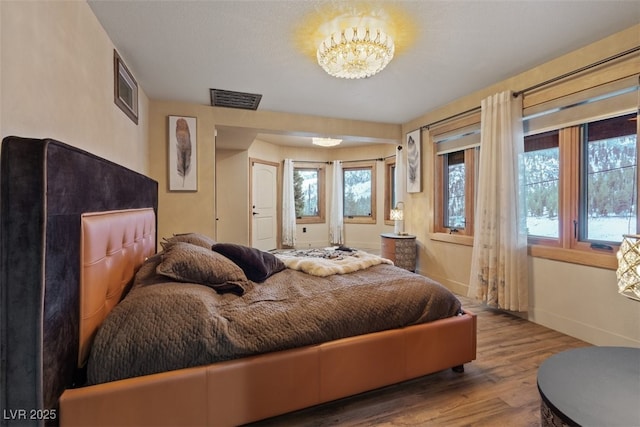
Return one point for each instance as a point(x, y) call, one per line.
point(336, 219)
point(400, 179)
point(288, 205)
point(499, 260)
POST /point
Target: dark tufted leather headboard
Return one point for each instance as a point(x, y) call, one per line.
point(45, 188)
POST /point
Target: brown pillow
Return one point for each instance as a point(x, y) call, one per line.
point(186, 262)
point(193, 238)
point(256, 264)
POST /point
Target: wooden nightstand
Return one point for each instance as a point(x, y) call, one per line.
point(401, 249)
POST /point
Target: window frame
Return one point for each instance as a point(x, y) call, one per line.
point(614, 122)
point(550, 241)
point(389, 189)
point(469, 190)
point(462, 133)
point(569, 247)
point(370, 219)
point(321, 217)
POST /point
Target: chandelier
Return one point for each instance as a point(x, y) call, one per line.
point(355, 52)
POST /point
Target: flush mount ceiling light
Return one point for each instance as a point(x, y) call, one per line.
point(326, 142)
point(356, 52)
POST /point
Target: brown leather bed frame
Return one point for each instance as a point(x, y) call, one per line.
point(57, 288)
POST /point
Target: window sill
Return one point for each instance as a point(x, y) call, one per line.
point(452, 238)
point(573, 256)
point(360, 220)
point(310, 220)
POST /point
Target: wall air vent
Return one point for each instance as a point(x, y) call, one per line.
point(231, 99)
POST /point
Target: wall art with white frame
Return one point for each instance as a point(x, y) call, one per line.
point(183, 159)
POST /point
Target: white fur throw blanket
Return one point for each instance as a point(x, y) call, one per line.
point(326, 262)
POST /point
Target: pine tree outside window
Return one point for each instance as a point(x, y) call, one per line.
point(308, 184)
point(359, 196)
point(608, 206)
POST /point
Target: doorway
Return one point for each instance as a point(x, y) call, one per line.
point(264, 204)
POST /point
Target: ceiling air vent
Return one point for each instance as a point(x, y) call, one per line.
point(231, 99)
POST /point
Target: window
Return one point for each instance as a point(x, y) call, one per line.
point(455, 192)
point(580, 165)
point(609, 169)
point(359, 199)
point(308, 184)
point(542, 175)
point(454, 195)
point(582, 189)
point(456, 146)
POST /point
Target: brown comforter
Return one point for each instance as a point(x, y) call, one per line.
point(173, 325)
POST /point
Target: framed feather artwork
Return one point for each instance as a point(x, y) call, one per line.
point(414, 162)
point(183, 162)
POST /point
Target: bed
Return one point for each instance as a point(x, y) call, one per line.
point(77, 231)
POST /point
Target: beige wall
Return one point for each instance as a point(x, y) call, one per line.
point(578, 300)
point(56, 81)
point(182, 212)
point(363, 236)
point(232, 197)
point(221, 193)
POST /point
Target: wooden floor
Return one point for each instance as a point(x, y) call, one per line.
point(497, 389)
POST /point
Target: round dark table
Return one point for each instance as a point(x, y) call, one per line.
point(592, 386)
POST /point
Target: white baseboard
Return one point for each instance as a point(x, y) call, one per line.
point(583, 331)
point(580, 330)
point(458, 288)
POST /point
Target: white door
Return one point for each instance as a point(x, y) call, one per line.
point(264, 226)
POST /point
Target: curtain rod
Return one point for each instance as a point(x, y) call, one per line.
point(579, 70)
point(311, 161)
point(379, 159)
point(446, 119)
point(544, 83)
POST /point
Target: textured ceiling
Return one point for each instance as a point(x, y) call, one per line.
point(178, 50)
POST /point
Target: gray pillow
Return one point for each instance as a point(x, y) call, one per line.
point(193, 238)
point(186, 262)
